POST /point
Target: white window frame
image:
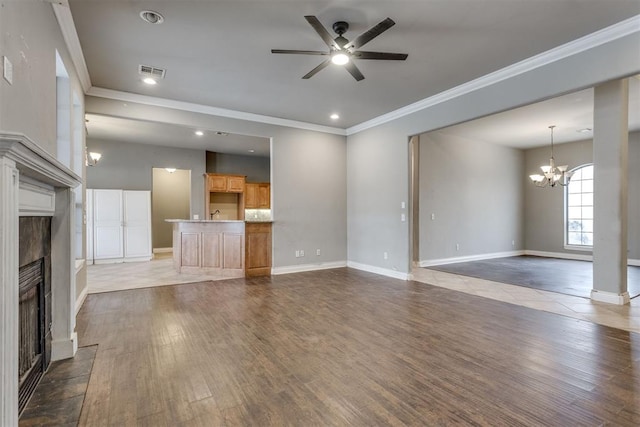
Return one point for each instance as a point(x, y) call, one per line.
point(565, 219)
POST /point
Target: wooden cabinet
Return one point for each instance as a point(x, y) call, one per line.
point(233, 186)
point(257, 195)
point(225, 183)
point(209, 247)
point(258, 249)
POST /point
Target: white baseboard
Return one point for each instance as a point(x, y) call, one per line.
point(162, 250)
point(378, 270)
point(610, 297)
point(480, 257)
point(64, 349)
point(307, 267)
point(81, 298)
point(579, 257)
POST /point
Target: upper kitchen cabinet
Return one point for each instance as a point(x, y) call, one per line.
point(258, 195)
point(225, 183)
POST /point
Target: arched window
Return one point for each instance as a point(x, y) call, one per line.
point(579, 208)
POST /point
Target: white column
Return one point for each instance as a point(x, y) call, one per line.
point(610, 159)
point(8, 292)
point(64, 343)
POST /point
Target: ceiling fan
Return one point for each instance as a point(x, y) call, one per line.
point(342, 51)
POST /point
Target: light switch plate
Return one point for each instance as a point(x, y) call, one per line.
point(7, 66)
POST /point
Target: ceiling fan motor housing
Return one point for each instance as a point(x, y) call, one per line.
point(340, 27)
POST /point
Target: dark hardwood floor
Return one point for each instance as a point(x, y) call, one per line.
point(344, 347)
point(563, 276)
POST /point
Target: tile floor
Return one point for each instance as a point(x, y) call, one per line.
point(160, 271)
point(625, 317)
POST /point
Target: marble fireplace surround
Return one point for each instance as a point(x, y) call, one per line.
point(34, 183)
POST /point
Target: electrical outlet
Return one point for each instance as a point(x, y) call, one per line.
point(318, 252)
point(403, 217)
point(297, 254)
point(403, 205)
point(301, 252)
point(457, 246)
point(433, 216)
point(385, 255)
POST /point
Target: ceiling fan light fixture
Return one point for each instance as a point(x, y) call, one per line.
point(340, 58)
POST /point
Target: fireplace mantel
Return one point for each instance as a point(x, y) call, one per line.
point(21, 157)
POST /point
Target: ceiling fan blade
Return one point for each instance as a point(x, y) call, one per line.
point(370, 34)
point(353, 70)
point(322, 32)
point(313, 72)
point(300, 52)
point(380, 55)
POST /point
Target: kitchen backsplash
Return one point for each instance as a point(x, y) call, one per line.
point(257, 214)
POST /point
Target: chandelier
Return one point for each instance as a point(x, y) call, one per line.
point(552, 175)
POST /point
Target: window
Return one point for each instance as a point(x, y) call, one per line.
point(579, 208)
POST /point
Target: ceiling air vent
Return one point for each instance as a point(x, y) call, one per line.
point(149, 71)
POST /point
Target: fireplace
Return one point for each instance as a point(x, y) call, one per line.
point(34, 311)
point(34, 184)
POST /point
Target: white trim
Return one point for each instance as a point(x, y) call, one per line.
point(442, 261)
point(610, 297)
point(578, 257)
point(307, 267)
point(79, 264)
point(378, 270)
point(614, 32)
point(65, 348)
point(35, 199)
point(81, 298)
point(33, 161)
point(576, 247)
point(162, 250)
point(561, 255)
point(206, 109)
point(70, 36)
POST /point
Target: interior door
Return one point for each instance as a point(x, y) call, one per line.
point(137, 224)
point(107, 221)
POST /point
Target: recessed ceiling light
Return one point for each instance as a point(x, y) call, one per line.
point(585, 130)
point(151, 17)
point(334, 116)
point(149, 81)
point(252, 151)
point(199, 133)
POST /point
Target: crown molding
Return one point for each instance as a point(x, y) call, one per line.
point(608, 34)
point(205, 109)
point(70, 36)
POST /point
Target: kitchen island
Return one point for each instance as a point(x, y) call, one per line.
point(210, 247)
point(217, 247)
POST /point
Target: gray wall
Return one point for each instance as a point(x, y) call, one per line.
point(544, 212)
point(474, 189)
point(257, 169)
point(308, 179)
point(170, 199)
point(29, 37)
point(377, 157)
point(128, 166)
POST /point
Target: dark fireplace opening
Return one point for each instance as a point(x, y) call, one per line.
point(34, 323)
point(31, 356)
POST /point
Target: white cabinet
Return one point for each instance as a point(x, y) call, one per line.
point(120, 226)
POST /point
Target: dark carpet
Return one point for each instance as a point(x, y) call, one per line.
point(549, 274)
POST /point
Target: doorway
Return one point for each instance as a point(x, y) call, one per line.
point(170, 199)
